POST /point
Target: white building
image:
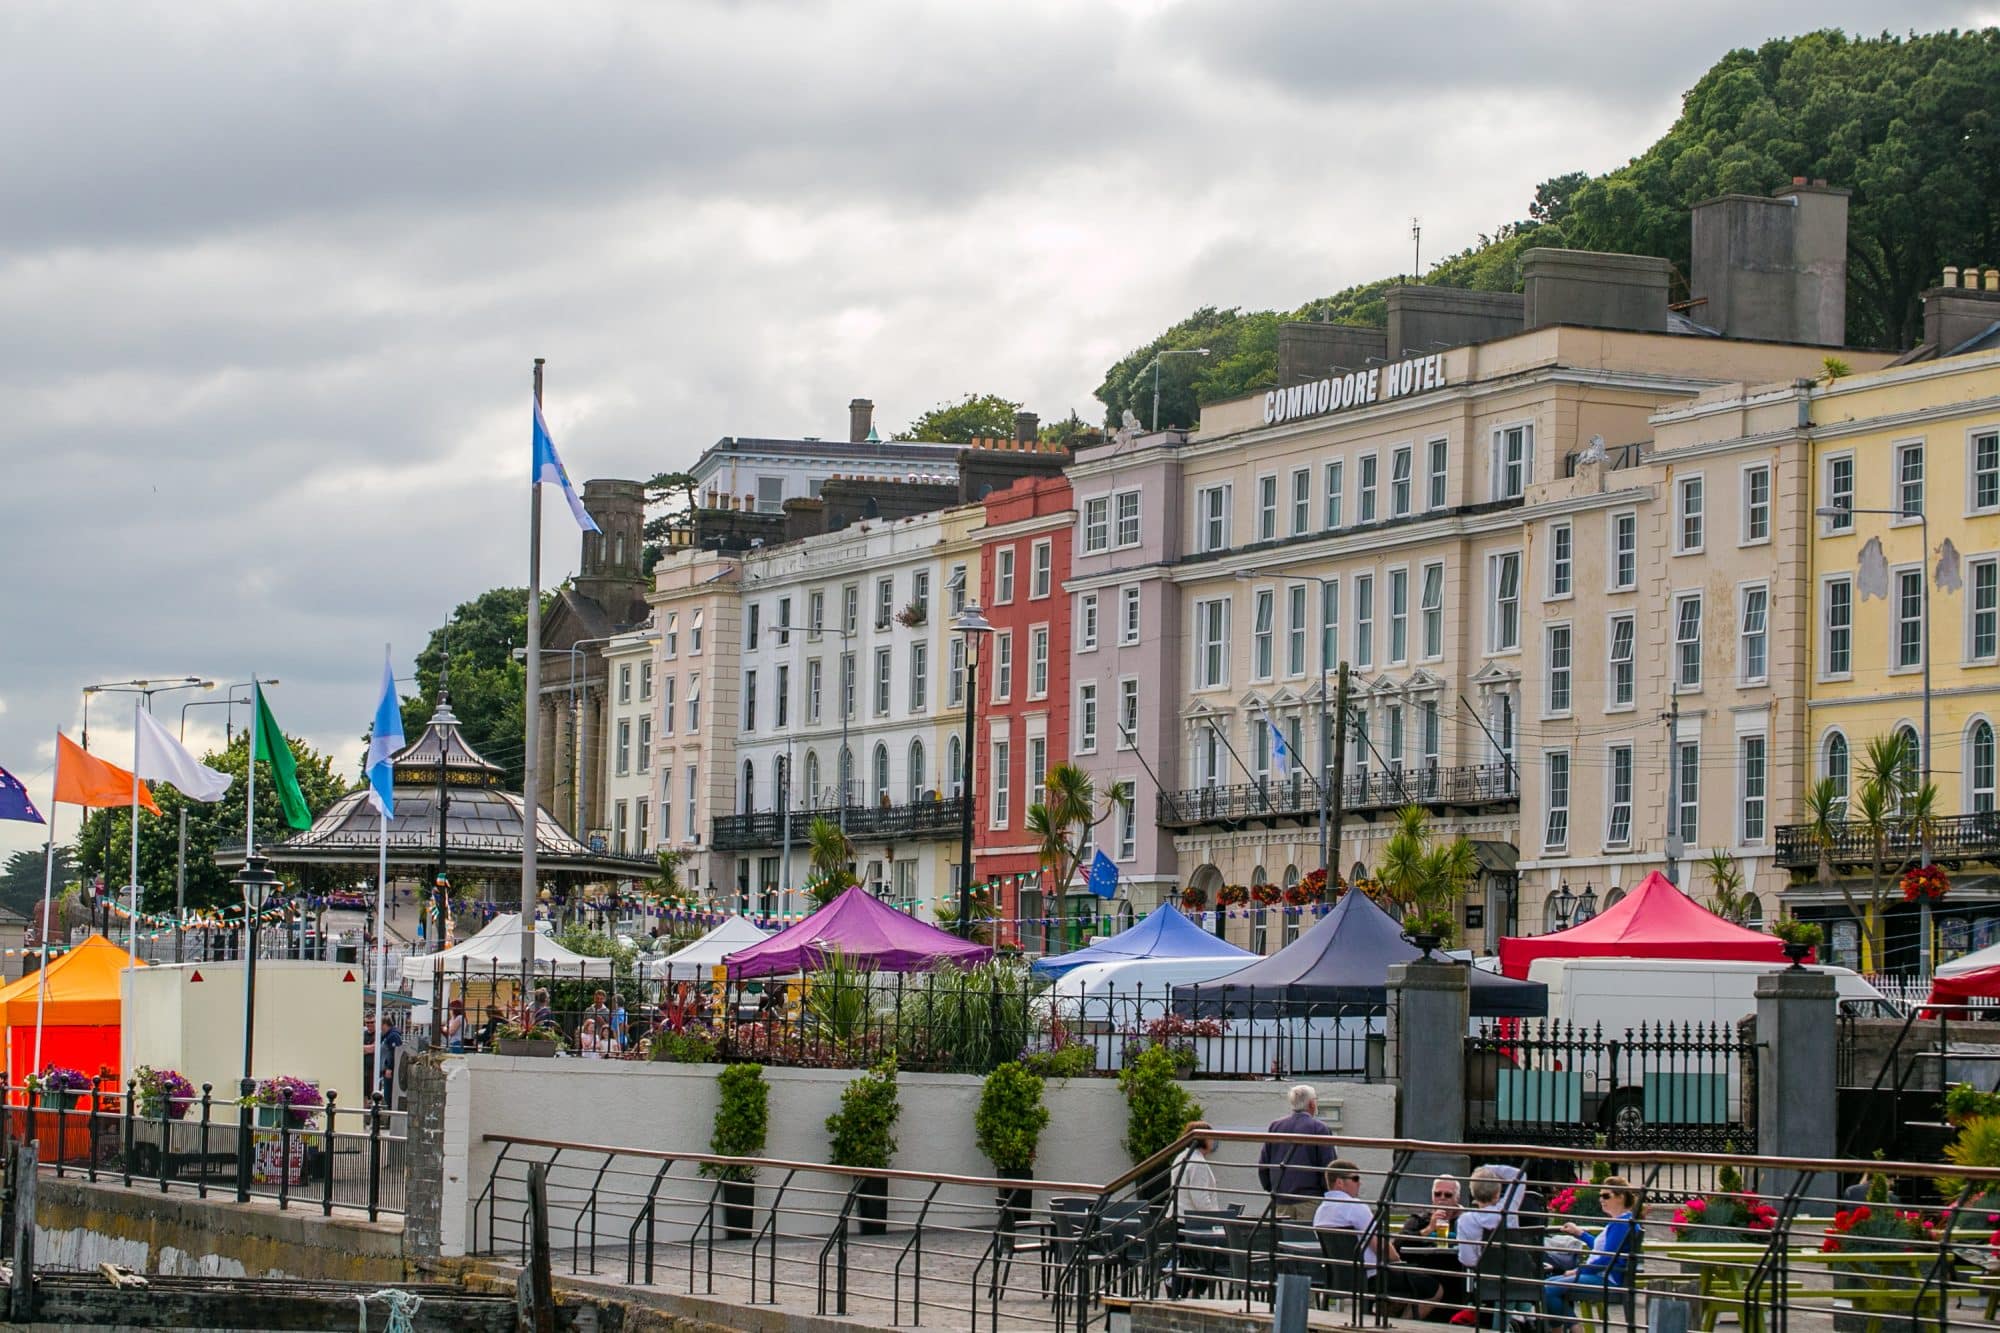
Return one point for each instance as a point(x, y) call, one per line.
point(629, 801)
point(759, 475)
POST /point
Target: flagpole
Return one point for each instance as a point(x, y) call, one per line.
point(48, 890)
point(531, 736)
point(381, 936)
point(250, 818)
point(132, 935)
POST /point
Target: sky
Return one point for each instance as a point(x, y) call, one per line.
point(272, 276)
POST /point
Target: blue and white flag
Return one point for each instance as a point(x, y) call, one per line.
point(14, 802)
point(548, 468)
point(1281, 752)
point(385, 738)
point(1103, 880)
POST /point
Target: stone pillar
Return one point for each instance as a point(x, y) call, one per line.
point(1797, 1032)
point(1430, 1005)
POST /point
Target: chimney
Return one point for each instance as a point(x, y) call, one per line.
point(1594, 291)
point(860, 420)
point(1964, 306)
point(1772, 269)
point(1027, 426)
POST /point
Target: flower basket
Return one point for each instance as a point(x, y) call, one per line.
point(1194, 900)
point(1266, 894)
point(1314, 885)
point(1232, 895)
point(1722, 1219)
point(1879, 1226)
point(163, 1093)
point(1925, 884)
point(59, 1087)
point(294, 1102)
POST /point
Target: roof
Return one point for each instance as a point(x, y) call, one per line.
point(695, 961)
point(496, 949)
point(1165, 933)
point(866, 932)
point(83, 988)
point(1654, 920)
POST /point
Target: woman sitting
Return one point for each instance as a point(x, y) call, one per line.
point(1604, 1270)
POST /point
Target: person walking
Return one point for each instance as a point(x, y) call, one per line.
point(1296, 1172)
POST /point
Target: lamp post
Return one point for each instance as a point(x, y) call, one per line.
point(257, 881)
point(1839, 512)
point(1180, 351)
point(145, 689)
point(973, 626)
point(1326, 667)
point(181, 848)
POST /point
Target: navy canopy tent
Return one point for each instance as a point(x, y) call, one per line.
point(1343, 960)
point(1165, 933)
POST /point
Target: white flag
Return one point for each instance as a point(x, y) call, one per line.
point(161, 758)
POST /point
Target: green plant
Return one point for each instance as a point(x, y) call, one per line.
point(831, 854)
point(1977, 1144)
point(1076, 1060)
point(1436, 921)
point(1730, 901)
point(1416, 872)
point(512, 1031)
point(691, 1047)
point(742, 1117)
point(968, 1020)
point(1833, 368)
point(1157, 1105)
point(859, 1133)
point(1011, 1117)
point(1796, 932)
point(1963, 1102)
point(837, 998)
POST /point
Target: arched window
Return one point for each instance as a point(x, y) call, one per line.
point(1833, 764)
point(810, 796)
point(845, 796)
point(1259, 876)
point(1912, 768)
point(1979, 767)
point(916, 771)
point(749, 788)
point(954, 763)
point(881, 774)
point(1291, 876)
point(1753, 912)
point(781, 773)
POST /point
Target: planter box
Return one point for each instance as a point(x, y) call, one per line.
point(527, 1046)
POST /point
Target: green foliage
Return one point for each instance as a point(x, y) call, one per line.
point(966, 1021)
point(574, 995)
point(1832, 368)
point(831, 856)
point(1076, 1060)
point(1158, 1106)
point(487, 684)
point(861, 1133)
point(21, 878)
point(1977, 1144)
point(742, 1116)
point(670, 500)
point(1794, 931)
point(984, 415)
point(1421, 875)
point(681, 1048)
point(1011, 1117)
point(1728, 898)
point(668, 881)
point(1963, 1102)
point(837, 1000)
point(946, 916)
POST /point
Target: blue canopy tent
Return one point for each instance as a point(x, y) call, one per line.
point(1165, 933)
point(1343, 960)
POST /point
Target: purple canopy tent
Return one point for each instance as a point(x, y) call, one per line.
point(862, 929)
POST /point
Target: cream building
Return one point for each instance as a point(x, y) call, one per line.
point(697, 622)
point(630, 789)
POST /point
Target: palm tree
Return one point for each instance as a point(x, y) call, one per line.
point(1826, 811)
point(1893, 809)
point(831, 853)
point(1060, 823)
point(1725, 877)
point(1420, 875)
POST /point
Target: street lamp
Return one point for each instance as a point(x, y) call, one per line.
point(145, 688)
point(1846, 512)
point(1179, 351)
point(181, 851)
point(1570, 909)
point(973, 626)
point(1326, 858)
point(257, 882)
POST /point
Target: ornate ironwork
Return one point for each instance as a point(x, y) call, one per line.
point(916, 819)
point(1953, 838)
point(1385, 789)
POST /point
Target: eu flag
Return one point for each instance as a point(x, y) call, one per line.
point(1103, 880)
point(14, 802)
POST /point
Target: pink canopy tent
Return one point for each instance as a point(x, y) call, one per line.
point(862, 929)
point(1654, 920)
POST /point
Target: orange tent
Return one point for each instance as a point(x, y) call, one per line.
point(81, 1014)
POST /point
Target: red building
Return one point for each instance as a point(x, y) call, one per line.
point(1024, 719)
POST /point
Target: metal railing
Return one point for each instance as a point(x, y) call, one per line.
point(1952, 838)
point(1616, 457)
point(940, 818)
point(1296, 797)
point(211, 1145)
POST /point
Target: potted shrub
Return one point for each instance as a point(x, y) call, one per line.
point(742, 1116)
point(1008, 1128)
point(1157, 1108)
point(163, 1093)
point(295, 1100)
point(519, 1039)
point(1800, 937)
point(860, 1134)
point(1429, 928)
point(59, 1087)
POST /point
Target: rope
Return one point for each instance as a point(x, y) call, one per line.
point(402, 1309)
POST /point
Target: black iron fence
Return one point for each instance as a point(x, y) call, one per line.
point(1953, 838)
point(942, 817)
point(1296, 797)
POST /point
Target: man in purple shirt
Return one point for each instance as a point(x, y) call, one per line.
point(1296, 1172)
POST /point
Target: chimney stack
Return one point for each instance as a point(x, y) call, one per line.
point(1772, 269)
point(1027, 427)
point(860, 420)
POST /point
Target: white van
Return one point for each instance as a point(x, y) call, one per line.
point(1621, 993)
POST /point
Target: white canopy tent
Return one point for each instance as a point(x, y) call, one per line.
point(699, 959)
point(496, 950)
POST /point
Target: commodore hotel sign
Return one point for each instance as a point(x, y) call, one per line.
point(1355, 389)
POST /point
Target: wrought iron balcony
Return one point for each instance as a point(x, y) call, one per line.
point(941, 818)
point(1954, 838)
point(1467, 788)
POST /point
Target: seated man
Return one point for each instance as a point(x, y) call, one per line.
point(1343, 1209)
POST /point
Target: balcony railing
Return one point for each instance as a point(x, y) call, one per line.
point(1953, 838)
point(941, 818)
point(1296, 797)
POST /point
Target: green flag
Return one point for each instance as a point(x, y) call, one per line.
point(275, 750)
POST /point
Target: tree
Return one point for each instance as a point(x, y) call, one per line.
point(975, 416)
point(1826, 812)
point(1891, 806)
point(1421, 875)
point(670, 502)
point(831, 855)
point(1061, 822)
point(21, 878)
point(1556, 196)
point(488, 685)
point(1728, 898)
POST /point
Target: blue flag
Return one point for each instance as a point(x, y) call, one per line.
point(14, 802)
point(1280, 752)
point(384, 739)
point(548, 468)
point(1103, 879)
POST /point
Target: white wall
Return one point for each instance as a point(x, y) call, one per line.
point(308, 1023)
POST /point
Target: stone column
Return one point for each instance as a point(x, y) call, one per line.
point(1797, 1032)
point(1430, 1005)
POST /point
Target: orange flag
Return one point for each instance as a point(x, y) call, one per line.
point(84, 779)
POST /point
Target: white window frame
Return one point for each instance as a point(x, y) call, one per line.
point(1211, 518)
point(1830, 467)
point(1399, 615)
point(1900, 487)
point(1364, 620)
point(1899, 576)
point(1097, 524)
point(885, 682)
point(1559, 694)
point(920, 677)
point(1003, 666)
point(815, 687)
point(1267, 507)
point(1437, 474)
point(1556, 789)
point(815, 613)
point(885, 601)
point(1753, 633)
point(1621, 675)
point(1041, 568)
point(1302, 485)
point(1686, 788)
point(667, 705)
point(1753, 511)
point(1976, 568)
point(1402, 480)
point(1000, 782)
point(1827, 630)
point(1086, 622)
point(1263, 634)
point(1128, 615)
point(954, 679)
point(1975, 439)
point(1685, 682)
point(1499, 605)
point(1120, 518)
point(1038, 661)
point(1332, 494)
point(1614, 808)
point(1980, 799)
point(1003, 576)
point(1329, 623)
point(1690, 519)
point(1618, 583)
point(1753, 789)
point(1211, 642)
point(1560, 585)
point(1511, 475)
point(1368, 481)
point(1298, 612)
point(1086, 717)
point(1128, 712)
point(1432, 609)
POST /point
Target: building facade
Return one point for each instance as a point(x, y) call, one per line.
point(630, 789)
point(697, 627)
point(759, 475)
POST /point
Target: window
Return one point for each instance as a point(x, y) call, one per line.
point(920, 592)
point(1986, 470)
point(1395, 744)
point(1556, 835)
point(1433, 609)
point(1042, 556)
point(1038, 766)
point(1687, 641)
point(1561, 559)
point(1618, 825)
point(1296, 630)
point(1399, 616)
point(815, 613)
point(916, 784)
point(1003, 576)
point(1302, 505)
point(670, 644)
point(880, 788)
point(666, 805)
point(954, 767)
point(1401, 465)
point(850, 608)
point(1838, 650)
point(1002, 783)
point(1212, 518)
point(1757, 504)
point(694, 701)
point(1752, 778)
point(1624, 551)
point(1835, 766)
point(667, 708)
point(694, 635)
point(1909, 618)
point(1984, 629)
point(621, 813)
point(770, 495)
point(1127, 503)
point(814, 682)
point(645, 681)
point(1128, 616)
point(1840, 492)
point(1086, 622)
point(1086, 717)
point(1366, 499)
point(1333, 474)
point(1260, 641)
point(957, 584)
point(1097, 524)
point(1427, 731)
point(883, 668)
point(1910, 478)
point(1689, 499)
point(848, 685)
point(784, 702)
point(1504, 624)
point(1128, 825)
point(846, 777)
point(1435, 498)
point(624, 746)
point(885, 602)
point(1267, 508)
point(693, 833)
point(1559, 669)
point(625, 680)
point(1128, 713)
point(1687, 791)
point(752, 624)
point(1622, 674)
point(1979, 767)
point(1753, 652)
point(1513, 461)
point(1211, 643)
point(1003, 665)
point(954, 685)
point(920, 676)
point(1038, 662)
point(1364, 620)
point(646, 741)
point(1329, 623)
point(749, 701)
